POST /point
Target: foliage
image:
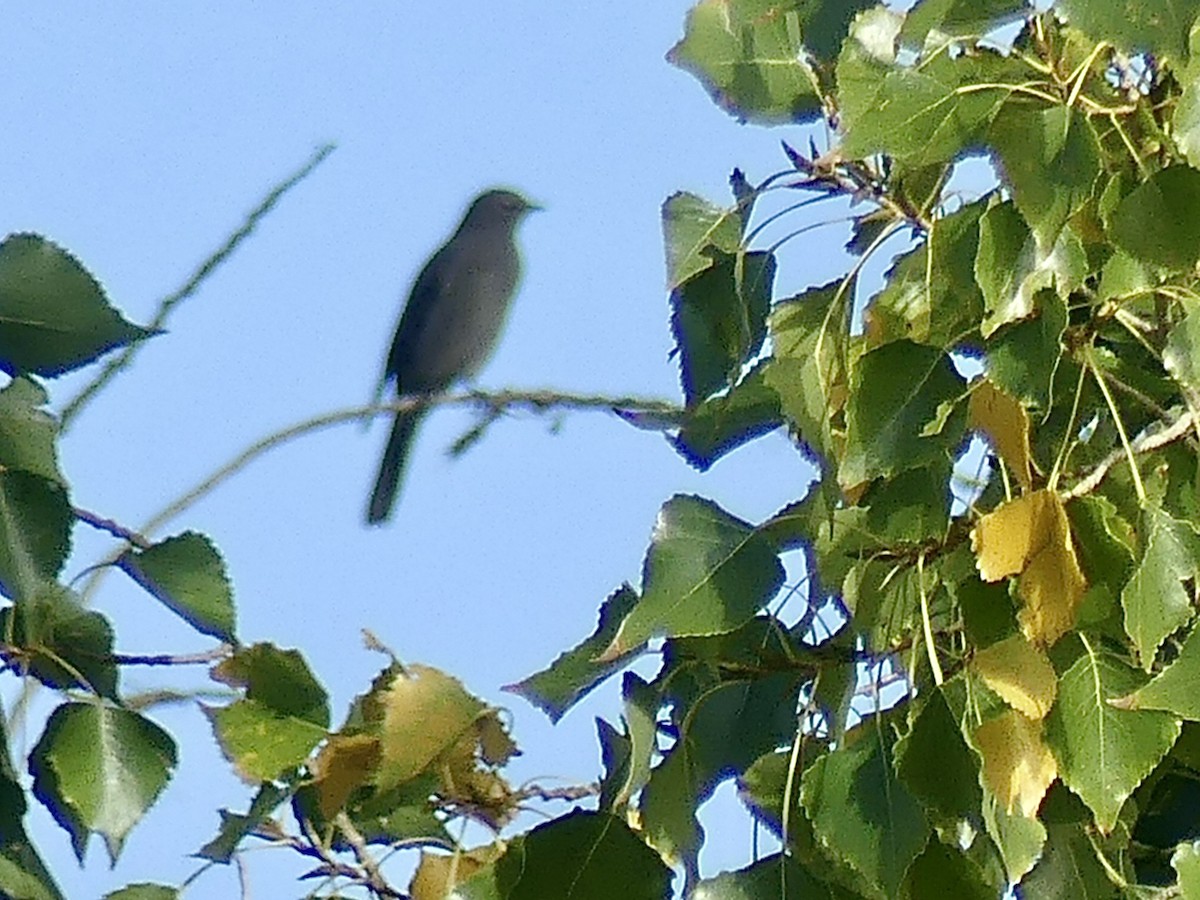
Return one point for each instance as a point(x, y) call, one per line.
point(1042, 612)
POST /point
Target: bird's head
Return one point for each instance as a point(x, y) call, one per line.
point(498, 208)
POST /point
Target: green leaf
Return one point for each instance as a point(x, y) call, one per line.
point(862, 812)
point(22, 871)
point(1181, 355)
point(98, 769)
point(726, 729)
point(750, 54)
point(236, 826)
point(35, 531)
point(706, 572)
point(943, 872)
point(691, 226)
point(1103, 753)
point(144, 891)
point(1160, 27)
point(27, 431)
point(61, 643)
point(719, 320)
point(886, 416)
point(1155, 222)
point(54, 316)
point(774, 877)
point(911, 508)
point(279, 679)
point(284, 714)
point(838, 538)
point(724, 422)
point(1051, 159)
point(575, 673)
point(1023, 357)
point(1124, 276)
point(958, 18)
point(261, 743)
point(1186, 861)
point(1011, 269)
point(1018, 839)
point(919, 115)
point(625, 777)
point(1154, 599)
point(885, 599)
point(584, 856)
point(1174, 689)
point(935, 763)
point(1104, 541)
point(1069, 868)
point(187, 575)
point(807, 369)
point(931, 296)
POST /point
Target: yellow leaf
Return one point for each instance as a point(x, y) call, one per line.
point(426, 713)
point(1020, 673)
point(496, 746)
point(1030, 537)
point(1017, 765)
point(344, 764)
point(1006, 423)
point(438, 874)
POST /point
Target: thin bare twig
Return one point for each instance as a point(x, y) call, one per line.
point(1151, 439)
point(189, 287)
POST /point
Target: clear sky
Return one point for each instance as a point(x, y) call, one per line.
point(137, 135)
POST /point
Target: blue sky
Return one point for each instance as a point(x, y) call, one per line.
point(138, 135)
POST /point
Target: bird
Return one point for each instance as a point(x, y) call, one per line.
point(451, 322)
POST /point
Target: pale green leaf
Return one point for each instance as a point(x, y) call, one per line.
point(1104, 753)
point(1154, 599)
point(100, 768)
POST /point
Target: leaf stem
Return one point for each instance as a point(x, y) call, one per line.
point(1108, 398)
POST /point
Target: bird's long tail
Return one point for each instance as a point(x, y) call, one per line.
point(391, 469)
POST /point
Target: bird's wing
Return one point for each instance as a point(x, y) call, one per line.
point(422, 304)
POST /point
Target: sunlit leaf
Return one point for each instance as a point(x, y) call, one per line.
point(428, 712)
point(807, 369)
point(1031, 537)
point(1017, 765)
point(1020, 673)
point(1006, 423)
point(930, 295)
point(98, 769)
point(750, 54)
point(690, 226)
point(1051, 160)
point(920, 114)
point(1104, 753)
point(1174, 689)
point(1154, 599)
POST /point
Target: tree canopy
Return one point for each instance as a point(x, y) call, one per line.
point(989, 677)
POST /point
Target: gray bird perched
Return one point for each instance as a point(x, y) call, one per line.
point(450, 324)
